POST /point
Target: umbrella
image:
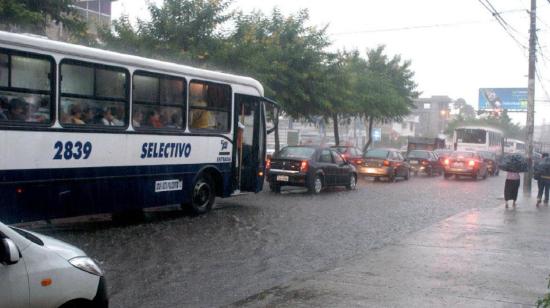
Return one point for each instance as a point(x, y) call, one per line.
point(542, 168)
point(514, 163)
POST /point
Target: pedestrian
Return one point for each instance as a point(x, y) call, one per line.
point(543, 182)
point(511, 188)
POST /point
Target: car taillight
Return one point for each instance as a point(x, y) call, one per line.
point(268, 164)
point(387, 163)
point(358, 161)
point(424, 162)
point(304, 166)
point(471, 163)
point(446, 161)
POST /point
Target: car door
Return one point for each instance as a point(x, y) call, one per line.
point(328, 167)
point(342, 169)
point(14, 284)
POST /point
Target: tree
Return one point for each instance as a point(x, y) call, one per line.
point(284, 54)
point(34, 16)
point(386, 89)
point(465, 110)
point(183, 31)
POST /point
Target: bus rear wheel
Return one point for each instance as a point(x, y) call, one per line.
point(202, 196)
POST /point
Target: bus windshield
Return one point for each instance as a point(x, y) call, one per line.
point(478, 136)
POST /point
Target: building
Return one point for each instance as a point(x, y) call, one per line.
point(97, 13)
point(433, 115)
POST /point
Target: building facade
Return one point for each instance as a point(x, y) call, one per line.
point(97, 14)
point(433, 115)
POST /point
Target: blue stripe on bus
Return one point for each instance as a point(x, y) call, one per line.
point(75, 174)
point(97, 190)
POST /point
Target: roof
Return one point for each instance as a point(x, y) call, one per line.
point(31, 42)
point(480, 127)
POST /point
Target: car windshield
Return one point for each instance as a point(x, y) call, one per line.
point(419, 154)
point(377, 153)
point(296, 152)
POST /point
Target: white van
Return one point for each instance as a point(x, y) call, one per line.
point(39, 271)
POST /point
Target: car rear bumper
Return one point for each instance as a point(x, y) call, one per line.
point(374, 172)
point(460, 171)
point(282, 178)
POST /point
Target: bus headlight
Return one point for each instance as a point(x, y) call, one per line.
point(86, 264)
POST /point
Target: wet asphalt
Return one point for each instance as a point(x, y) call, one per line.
point(251, 243)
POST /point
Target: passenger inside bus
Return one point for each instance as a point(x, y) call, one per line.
point(76, 115)
point(153, 119)
point(17, 110)
point(109, 118)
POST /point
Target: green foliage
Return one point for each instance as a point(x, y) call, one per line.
point(545, 301)
point(34, 16)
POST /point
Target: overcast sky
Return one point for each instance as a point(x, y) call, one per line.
point(456, 47)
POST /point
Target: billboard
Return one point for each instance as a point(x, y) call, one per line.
point(498, 99)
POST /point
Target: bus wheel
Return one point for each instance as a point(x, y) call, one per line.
point(202, 196)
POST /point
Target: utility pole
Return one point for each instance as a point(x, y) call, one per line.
point(527, 180)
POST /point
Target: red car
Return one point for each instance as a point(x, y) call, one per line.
point(466, 163)
point(350, 153)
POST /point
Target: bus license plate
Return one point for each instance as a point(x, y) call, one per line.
point(282, 178)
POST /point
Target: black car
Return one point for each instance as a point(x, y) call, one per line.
point(427, 162)
point(384, 163)
point(309, 166)
point(491, 160)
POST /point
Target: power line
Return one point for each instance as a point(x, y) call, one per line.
point(503, 23)
point(406, 28)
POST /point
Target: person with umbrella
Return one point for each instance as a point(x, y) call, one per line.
point(513, 164)
point(542, 174)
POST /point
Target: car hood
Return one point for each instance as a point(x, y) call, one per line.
point(64, 250)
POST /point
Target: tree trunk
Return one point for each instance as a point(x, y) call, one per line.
point(336, 133)
point(369, 139)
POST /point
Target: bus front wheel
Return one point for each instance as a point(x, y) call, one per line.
point(202, 196)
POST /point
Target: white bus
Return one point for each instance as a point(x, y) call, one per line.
point(474, 138)
point(514, 146)
point(86, 131)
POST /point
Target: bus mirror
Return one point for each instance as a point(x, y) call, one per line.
point(271, 115)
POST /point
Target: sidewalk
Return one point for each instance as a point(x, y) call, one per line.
point(479, 258)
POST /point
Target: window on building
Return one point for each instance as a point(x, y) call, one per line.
point(158, 101)
point(25, 88)
point(404, 125)
point(209, 106)
point(411, 126)
point(427, 106)
point(93, 94)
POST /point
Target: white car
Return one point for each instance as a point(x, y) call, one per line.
point(39, 271)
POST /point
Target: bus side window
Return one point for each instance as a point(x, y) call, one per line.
point(209, 106)
point(26, 83)
point(93, 94)
point(158, 101)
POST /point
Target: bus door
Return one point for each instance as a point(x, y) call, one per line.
point(250, 143)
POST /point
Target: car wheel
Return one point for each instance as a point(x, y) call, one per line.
point(392, 178)
point(447, 176)
point(316, 186)
point(485, 174)
point(352, 182)
point(430, 172)
point(275, 188)
point(476, 176)
point(202, 196)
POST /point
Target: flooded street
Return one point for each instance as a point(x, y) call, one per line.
point(254, 242)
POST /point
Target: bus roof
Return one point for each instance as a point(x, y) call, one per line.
point(31, 42)
point(480, 127)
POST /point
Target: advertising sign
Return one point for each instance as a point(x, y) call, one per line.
point(498, 99)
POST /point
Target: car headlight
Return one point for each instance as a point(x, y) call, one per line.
point(86, 264)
